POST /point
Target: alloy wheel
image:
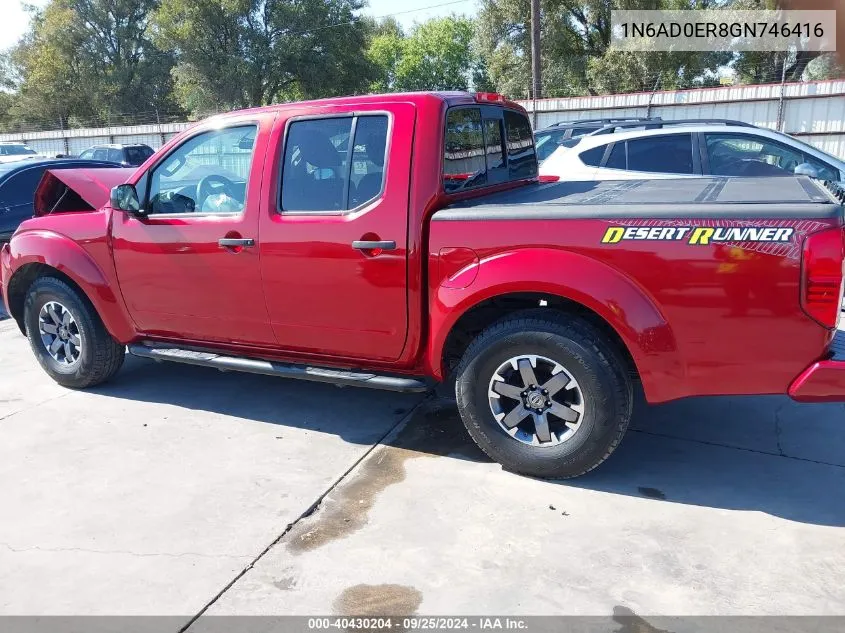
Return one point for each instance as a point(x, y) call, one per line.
point(59, 333)
point(536, 400)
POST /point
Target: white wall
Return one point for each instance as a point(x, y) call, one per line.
point(813, 111)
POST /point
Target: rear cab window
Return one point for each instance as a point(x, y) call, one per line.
point(486, 145)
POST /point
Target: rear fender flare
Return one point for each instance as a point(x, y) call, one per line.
point(624, 306)
point(66, 256)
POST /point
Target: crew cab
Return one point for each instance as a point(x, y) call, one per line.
point(398, 241)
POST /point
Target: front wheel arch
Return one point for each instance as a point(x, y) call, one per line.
point(22, 281)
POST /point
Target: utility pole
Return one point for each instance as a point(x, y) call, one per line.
point(536, 81)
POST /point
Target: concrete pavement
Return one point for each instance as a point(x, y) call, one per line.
point(149, 494)
point(177, 490)
point(678, 521)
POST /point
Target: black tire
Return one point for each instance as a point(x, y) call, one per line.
point(586, 354)
point(100, 356)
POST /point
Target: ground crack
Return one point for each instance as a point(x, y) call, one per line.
point(309, 511)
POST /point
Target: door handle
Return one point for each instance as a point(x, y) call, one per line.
point(235, 242)
point(371, 245)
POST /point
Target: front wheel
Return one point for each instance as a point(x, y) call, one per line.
point(67, 336)
point(544, 397)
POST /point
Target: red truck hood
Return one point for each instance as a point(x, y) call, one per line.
point(81, 189)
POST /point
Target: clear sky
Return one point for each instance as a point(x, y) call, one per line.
point(15, 19)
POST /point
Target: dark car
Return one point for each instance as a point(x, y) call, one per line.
point(125, 155)
point(18, 181)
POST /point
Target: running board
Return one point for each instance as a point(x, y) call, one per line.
point(284, 370)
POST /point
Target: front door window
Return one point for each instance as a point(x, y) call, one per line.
point(206, 174)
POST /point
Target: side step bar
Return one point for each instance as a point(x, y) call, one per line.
point(271, 368)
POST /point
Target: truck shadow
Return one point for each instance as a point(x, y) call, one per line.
point(764, 454)
point(358, 416)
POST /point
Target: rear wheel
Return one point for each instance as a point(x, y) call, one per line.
point(67, 336)
point(544, 397)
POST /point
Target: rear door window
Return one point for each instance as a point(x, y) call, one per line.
point(333, 164)
point(369, 151)
point(115, 155)
point(618, 158)
point(592, 157)
point(670, 154)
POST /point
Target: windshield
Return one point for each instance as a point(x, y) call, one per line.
point(549, 141)
point(16, 150)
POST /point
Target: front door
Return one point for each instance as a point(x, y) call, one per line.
point(335, 241)
point(190, 268)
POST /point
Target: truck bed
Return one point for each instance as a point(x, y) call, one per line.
point(742, 198)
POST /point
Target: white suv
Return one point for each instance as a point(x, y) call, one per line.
point(687, 149)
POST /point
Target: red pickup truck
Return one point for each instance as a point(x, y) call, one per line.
point(397, 241)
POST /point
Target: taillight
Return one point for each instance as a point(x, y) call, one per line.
point(821, 272)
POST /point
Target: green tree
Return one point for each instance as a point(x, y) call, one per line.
point(756, 67)
point(438, 54)
point(241, 53)
point(8, 94)
point(85, 59)
point(384, 52)
point(577, 58)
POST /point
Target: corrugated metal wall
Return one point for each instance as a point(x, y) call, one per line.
point(813, 111)
point(77, 140)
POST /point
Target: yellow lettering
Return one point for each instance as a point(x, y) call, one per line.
point(701, 235)
point(613, 235)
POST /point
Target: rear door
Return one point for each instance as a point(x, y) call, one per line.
point(334, 241)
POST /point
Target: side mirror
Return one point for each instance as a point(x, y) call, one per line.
point(125, 198)
point(806, 169)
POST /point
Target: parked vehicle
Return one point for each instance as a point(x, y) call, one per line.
point(10, 152)
point(688, 149)
point(549, 139)
point(132, 155)
point(396, 241)
point(18, 181)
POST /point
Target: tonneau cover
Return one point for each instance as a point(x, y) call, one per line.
point(779, 197)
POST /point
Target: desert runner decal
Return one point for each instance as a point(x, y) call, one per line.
point(701, 235)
